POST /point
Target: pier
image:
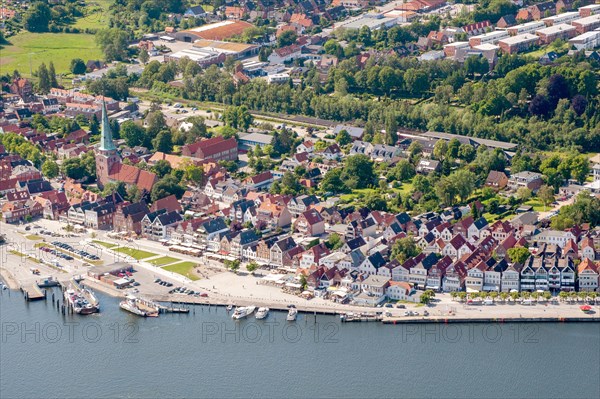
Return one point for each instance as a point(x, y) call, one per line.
point(32, 292)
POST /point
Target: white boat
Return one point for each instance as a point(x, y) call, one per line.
point(229, 308)
point(242, 311)
point(139, 307)
point(292, 314)
point(130, 306)
point(82, 301)
point(261, 313)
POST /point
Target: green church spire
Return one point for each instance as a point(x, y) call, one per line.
point(106, 141)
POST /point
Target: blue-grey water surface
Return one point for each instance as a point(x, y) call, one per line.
point(206, 354)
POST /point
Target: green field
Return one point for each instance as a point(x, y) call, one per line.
point(183, 268)
point(104, 244)
point(537, 205)
point(165, 260)
point(33, 237)
point(59, 48)
point(96, 15)
point(134, 253)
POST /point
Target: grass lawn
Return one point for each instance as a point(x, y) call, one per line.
point(137, 254)
point(22, 255)
point(59, 48)
point(546, 49)
point(33, 237)
point(537, 205)
point(356, 193)
point(96, 17)
point(405, 189)
point(165, 260)
point(104, 244)
point(183, 268)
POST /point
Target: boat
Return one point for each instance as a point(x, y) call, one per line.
point(229, 308)
point(47, 282)
point(262, 313)
point(82, 301)
point(292, 314)
point(139, 306)
point(242, 311)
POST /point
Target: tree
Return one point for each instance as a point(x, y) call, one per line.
point(404, 249)
point(343, 137)
point(332, 182)
point(50, 169)
point(334, 242)
point(166, 186)
point(446, 191)
point(416, 80)
point(290, 184)
point(114, 43)
point(162, 168)
point(144, 57)
point(579, 103)
point(403, 171)
point(52, 75)
point(546, 195)
point(523, 194)
point(37, 17)
point(133, 194)
point(78, 66)
point(163, 141)
point(358, 172)
point(391, 130)
point(134, 134)
point(113, 187)
point(287, 38)
point(440, 149)
point(193, 174)
point(238, 117)
point(233, 265)
point(43, 79)
point(518, 255)
point(540, 106)
point(252, 266)
point(156, 123)
point(376, 203)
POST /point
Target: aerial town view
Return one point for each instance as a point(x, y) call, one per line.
point(299, 198)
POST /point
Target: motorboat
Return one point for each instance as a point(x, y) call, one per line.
point(262, 313)
point(242, 312)
point(229, 308)
point(292, 314)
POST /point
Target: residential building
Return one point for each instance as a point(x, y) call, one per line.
point(587, 272)
point(552, 33)
point(530, 180)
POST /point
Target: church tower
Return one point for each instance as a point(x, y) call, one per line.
point(106, 154)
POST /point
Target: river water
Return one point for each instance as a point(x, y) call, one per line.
point(206, 354)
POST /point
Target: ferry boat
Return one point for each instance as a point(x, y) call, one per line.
point(242, 312)
point(262, 313)
point(82, 301)
point(292, 314)
point(139, 306)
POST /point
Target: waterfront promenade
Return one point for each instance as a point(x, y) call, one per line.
point(224, 288)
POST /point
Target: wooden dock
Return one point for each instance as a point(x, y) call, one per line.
point(32, 292)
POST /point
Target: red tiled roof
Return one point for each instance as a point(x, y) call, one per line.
point(212, 146)
point(132, 175)
point(169, 203)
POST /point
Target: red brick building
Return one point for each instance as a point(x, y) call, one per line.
point(216, 149)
